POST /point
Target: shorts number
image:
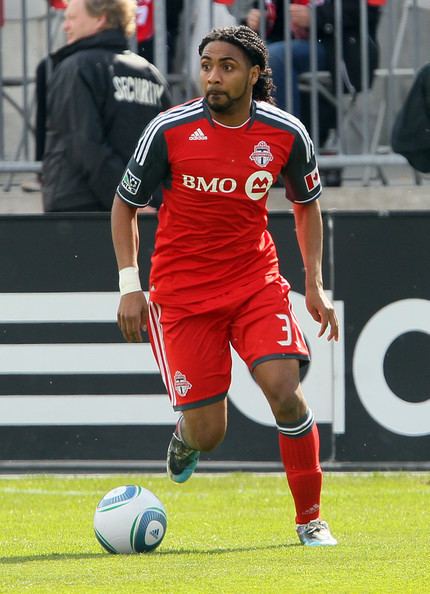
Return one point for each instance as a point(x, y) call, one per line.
point(287, 329)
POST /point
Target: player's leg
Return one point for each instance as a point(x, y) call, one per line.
point(298, 444)
point(204, 428)
point(198, 429)
point(193, 355)
point(298, 433)
point(268, 338)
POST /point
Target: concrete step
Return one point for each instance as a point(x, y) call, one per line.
point(350, 198)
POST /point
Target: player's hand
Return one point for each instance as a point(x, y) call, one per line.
point(322, 311)
point(132, 316)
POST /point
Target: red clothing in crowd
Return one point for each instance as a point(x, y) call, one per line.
point(58, 4)
point(144, 20)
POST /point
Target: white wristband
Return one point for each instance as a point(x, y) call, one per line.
point(129, 280)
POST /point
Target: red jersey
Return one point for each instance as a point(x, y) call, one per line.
point(212, 242)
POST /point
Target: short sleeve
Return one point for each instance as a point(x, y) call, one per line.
point(301, 175)
point(147, 168)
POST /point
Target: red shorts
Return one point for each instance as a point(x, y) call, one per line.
point(193, 350)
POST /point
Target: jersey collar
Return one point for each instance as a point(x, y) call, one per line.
point(210, 119)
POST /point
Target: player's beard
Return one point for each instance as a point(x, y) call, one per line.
point(225, 105)
point(218, 106)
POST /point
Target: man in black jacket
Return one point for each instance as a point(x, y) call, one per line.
point(100, 97)
point(411, 131)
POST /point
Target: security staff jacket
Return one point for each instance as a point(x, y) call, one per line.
point(100, 97)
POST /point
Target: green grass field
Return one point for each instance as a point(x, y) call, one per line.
point(227, 534)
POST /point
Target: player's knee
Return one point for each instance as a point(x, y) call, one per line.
point(208, 438)
point(288, 408)
point(203, 434)
point(280, 382)
point(286, 401)
point(204, 428)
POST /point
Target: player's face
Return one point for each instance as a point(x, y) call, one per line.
point(227, 77)
point(78, 23)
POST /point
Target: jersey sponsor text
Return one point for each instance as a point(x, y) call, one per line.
point(224, 185)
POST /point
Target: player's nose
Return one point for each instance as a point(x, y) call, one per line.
point(214, 76)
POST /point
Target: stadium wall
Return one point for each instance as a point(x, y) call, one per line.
point(71, 389)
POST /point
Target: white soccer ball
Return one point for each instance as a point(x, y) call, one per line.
point(130, 519)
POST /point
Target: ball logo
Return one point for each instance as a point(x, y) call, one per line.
point(258, 184)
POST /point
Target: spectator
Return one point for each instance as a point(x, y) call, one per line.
point(300, 14)
point(411, 131)
point(145, 28)
point(40, 128)
point(100, 97)
point(201, 16)
point(58, 4)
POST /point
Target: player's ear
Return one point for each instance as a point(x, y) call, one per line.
point(254, 74)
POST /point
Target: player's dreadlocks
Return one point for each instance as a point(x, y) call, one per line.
point(254, 48)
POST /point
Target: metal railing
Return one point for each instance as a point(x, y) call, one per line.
point(363, 120)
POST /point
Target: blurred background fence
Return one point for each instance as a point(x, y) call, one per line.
point(361, 137)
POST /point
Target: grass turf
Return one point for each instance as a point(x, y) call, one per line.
point(227, 534)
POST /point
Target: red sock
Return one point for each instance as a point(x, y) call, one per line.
point(300, 456)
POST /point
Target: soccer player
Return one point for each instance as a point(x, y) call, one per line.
point(215, 279)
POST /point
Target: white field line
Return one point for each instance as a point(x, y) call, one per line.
point(48, 492)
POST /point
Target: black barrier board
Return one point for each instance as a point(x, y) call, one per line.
point(54, 256)
point(382, 275)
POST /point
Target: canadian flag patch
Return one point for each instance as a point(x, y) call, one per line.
point(312, 179)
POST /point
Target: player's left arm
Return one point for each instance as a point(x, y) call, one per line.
point(303, 187)
point(309, 231)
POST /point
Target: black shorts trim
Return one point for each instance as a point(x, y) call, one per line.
point(303, 359)
point(200, 403)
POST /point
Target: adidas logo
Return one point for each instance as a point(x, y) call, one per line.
point(198, 135)
point(154, 533)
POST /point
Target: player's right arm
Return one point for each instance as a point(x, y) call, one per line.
point(133, 307)
point(145, 171)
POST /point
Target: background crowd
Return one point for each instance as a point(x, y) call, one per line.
point(88, 118)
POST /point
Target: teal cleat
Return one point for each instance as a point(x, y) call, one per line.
point(181, 460)
point(315, 533)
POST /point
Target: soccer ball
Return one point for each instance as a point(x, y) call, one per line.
point(130, 519)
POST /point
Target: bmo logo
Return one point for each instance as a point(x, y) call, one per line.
point(225, 185)
point(256, 186)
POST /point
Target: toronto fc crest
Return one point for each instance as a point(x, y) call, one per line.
point(182, 385)
point(261, 155)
